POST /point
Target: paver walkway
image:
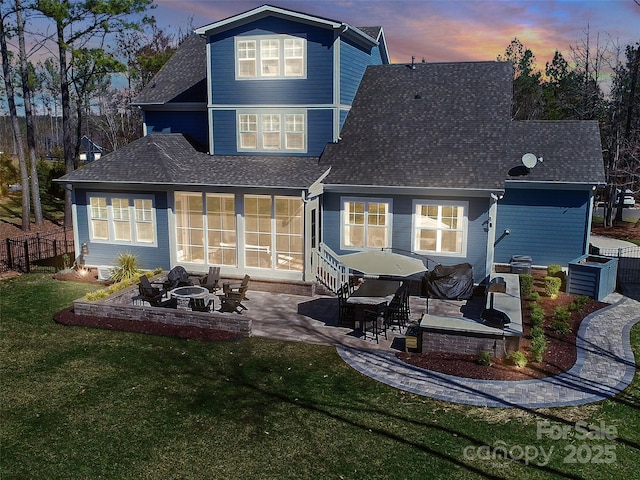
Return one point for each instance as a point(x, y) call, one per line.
point(605, 366)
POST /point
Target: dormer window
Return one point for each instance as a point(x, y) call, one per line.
point(270, 57)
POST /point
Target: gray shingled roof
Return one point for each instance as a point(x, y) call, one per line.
point(448, 125)
point(182, 79)
point(373, 32)
point(570, 149)
point(169, 159)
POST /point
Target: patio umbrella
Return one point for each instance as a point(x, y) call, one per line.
point(379, 262)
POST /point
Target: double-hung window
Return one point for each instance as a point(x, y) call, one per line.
point(440, 227)
point(275, 130)
point(122, 219)
point(366, 223)
point(270, 57)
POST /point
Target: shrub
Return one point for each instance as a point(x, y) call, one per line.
point(538, 347)
point(519, 359)
point(8, 173)
point(555, 270)
point(127, 267)
point(560, 326)
point(526, 285)
point(537, 332)
point(537, 315)
point(485, 359)
point(552, 286)
point(535, 296)
point(97, 295)
point(561, 314)
point(579, 303)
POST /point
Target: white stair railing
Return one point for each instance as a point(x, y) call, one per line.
point(328, 269)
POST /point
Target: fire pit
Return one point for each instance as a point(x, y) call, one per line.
point(184, 294)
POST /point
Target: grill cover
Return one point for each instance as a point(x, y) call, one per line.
point(451, 282)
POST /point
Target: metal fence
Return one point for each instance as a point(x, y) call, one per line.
point(628, 263)
point(42, 249)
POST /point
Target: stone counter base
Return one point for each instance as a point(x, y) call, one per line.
point(466, 343)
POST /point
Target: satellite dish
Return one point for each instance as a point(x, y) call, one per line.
point(529, 160)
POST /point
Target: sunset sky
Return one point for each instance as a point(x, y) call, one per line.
point(453, 30)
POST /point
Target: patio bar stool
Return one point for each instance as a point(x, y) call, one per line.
point(375, 321)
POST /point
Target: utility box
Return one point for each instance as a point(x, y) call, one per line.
point(521, 264)
point(592, 275)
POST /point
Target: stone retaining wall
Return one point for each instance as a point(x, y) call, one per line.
point(228, 322)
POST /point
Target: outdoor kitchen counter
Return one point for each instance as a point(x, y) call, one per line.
point(507, 302)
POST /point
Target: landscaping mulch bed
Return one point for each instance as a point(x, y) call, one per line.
point(559, 357)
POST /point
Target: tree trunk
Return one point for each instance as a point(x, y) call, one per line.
point(31, 136)
point(24, 173)
point(66, 121)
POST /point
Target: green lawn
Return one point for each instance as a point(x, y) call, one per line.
point(86, 403)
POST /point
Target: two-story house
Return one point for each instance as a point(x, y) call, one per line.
point(273, 136)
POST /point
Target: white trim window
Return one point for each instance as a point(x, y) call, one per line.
point(366, 223)
point(440, 227)
point(122, 219)
point(246, 55)
point(274, 237)
point(247, 131)
point(270, 57)
point(206, 228)
point(272, 131)
point(221, 229)
point(189, 211)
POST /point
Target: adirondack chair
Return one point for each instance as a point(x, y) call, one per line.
point(153, 295)
point(199, 305)
point(233, 295)
point(211, 279)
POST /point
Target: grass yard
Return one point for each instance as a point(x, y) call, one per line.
point(79, 403)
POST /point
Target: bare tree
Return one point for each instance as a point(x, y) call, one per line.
point(17, 135)
point(78, 23)
point(28, 104)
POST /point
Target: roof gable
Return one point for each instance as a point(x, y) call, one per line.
point(271, 11)
point(426, 125)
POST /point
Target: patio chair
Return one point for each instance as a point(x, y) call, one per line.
point(199, 305)
point(177, 277)
point(346, 311)
point(397, 312)
point(211, 279)
point(375, 321)
point(233, 295)
point(153, 295)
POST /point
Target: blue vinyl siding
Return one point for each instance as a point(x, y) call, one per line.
point(190, 123)
point(402, 229)
point(353, 62)
point(343, 117)
point(105, 254)
point(319, 133)
point(317, 88)
point(547, 225)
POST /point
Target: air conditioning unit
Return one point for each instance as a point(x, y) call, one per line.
point(104, 272)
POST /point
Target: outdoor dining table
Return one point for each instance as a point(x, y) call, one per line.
point(372, 292)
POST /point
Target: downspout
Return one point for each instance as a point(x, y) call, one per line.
point(491, 232)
